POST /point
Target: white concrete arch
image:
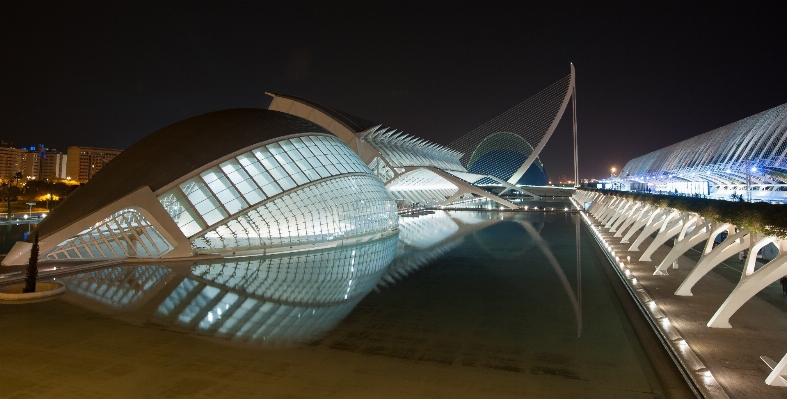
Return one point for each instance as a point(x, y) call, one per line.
point(750, 285)
point(698, 235)
point(652, 227)
point(667, 231)
point(625, 216)
point(636, 216)
point(732, 245)
point(621, 212)
point(644, 221)
point(614, 211)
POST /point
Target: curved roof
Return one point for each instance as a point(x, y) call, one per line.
point(722, 155)
point(171, 153)
point(352, 122)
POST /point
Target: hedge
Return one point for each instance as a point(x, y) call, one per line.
point(760, 217)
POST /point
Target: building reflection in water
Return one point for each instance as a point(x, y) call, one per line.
point(284, 299)
point(247, 300)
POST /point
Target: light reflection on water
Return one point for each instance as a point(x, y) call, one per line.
point(289, 299)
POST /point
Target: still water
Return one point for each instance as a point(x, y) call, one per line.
point(459, 304)
point(12, 232)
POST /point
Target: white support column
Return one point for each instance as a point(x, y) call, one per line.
point(635, 217)
point(749, 286)
point(694, 219)
point(655, 225)
point(634, 209)
point(731, 246)
point(699, 234)
point(618, 214)
point(602, 207)
point(613, 211)
point(751, 259)
point(778, 371)
point(667, 232)
point(643, 222)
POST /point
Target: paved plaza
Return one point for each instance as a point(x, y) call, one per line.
point(732, 355)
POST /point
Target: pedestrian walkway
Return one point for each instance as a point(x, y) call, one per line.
point(731, 355)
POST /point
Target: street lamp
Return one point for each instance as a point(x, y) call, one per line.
point(30, 214)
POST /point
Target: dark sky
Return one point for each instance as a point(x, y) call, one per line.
point(648, 73)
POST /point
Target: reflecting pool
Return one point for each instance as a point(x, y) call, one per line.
point(461, 303)
point(11, 232)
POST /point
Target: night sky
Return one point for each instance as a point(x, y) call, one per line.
point(648, 75)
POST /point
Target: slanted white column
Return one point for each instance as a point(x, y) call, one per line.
point(635, 217)
point(667, 231)
point(751, 284)
point(634, 209)
point(699, 234)
point(613, 212)
point(655, 215)
point(778, 371)
point(694, 219)
point(652, 227)
point(731, 246)
point(608, 206)
point(618, 213)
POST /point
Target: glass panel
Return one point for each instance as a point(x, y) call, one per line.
point(243, 182)
point(224, 190)
point(203, 201)
point(322, 212)
point(274, 168)
point(257, 172)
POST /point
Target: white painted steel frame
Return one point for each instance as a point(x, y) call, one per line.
point(751, 151)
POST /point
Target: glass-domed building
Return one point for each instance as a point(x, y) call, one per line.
point(225, 183)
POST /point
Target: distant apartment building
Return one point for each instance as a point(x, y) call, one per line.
point(84, 162)
point(41, 163)
point(11, 161)
point(53, 165)
point(31, 164)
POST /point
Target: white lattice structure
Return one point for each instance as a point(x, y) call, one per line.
point(123, 234)
point(413, 170)
point(515, 138)
point(751, 152)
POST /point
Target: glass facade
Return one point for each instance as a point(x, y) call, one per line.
point(341, 207)
point(300, 190)
point(203, 206)
point(124, 234)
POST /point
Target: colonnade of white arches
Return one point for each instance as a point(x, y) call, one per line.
point(634, 221)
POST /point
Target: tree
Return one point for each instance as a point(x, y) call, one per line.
point(32, 267)
point(17, 176)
